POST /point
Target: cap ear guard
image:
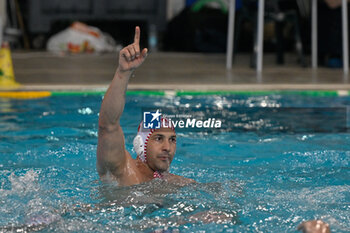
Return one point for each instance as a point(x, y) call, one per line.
point(138, 145)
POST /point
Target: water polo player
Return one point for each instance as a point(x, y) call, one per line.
point(155, 148)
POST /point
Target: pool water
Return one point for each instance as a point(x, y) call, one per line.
point(278, 160)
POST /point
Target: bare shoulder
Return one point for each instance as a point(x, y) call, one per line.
point(178, 180)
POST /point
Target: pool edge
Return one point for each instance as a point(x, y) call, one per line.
point(36, 91)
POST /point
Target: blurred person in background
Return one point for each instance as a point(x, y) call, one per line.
point(330, 33)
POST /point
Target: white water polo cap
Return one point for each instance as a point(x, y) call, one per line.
point(141, 140)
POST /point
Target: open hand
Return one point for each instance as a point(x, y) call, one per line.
point(131, 57)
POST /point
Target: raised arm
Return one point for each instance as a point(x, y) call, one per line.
point(111, 153)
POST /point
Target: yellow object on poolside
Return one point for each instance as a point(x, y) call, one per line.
point(24, 94)
point(7, 77)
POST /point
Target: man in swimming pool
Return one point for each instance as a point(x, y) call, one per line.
point(113, 160)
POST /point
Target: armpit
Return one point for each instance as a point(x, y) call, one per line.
point(108, 177)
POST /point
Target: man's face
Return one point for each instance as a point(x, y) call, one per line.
point(161, 149)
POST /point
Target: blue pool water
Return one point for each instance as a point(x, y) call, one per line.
point(278, 160)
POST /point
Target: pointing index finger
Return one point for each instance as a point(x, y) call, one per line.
point(137, 35)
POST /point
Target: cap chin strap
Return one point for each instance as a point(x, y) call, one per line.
point(157, 174)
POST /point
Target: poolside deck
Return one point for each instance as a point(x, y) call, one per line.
point(187, 71)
